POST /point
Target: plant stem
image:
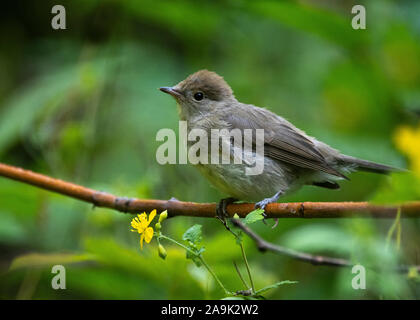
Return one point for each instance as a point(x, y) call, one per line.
point(227, 292)
point(177, 243)
point(247, 266)
point(396, 225)
point(200, 257)
point(240, 276)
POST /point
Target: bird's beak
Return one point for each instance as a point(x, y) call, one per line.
point(173, 92)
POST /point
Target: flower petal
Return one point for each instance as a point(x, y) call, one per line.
point(148, 234)
point(143, 217)
point(140, 228)
point(152, 215)
point(141, 241)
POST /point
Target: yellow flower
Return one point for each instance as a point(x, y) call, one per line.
point(407, 140)
point(141, 225)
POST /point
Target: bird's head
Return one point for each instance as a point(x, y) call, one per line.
point(200, 93)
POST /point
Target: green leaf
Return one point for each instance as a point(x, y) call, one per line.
point(46, 260)
point(193, 234)
point(254, 216)
point(275, 285)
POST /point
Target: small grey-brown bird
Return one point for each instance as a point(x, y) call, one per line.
point(291, 158)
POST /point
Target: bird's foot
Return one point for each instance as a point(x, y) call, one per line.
point(221, 212)
point(263, 203)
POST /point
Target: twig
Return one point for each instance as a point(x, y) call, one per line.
point(180, 208)
point(264, 245)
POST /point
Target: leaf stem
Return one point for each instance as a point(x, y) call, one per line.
point(200, 257)
point(177, 243)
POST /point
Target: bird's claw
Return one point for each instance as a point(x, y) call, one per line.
point(221, 212)
point(263, 203)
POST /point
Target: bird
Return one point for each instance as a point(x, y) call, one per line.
point(292, 159)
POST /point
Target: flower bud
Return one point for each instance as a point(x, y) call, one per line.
point(163, 216)
point(158, 226)
point(162, 252)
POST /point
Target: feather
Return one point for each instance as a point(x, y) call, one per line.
point(282, 142)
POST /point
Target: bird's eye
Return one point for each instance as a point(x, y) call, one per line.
point(198, 96)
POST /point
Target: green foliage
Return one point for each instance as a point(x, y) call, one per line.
point(193, 235)
point(34, 260)
point(316, 238)
point(83, 105)
point(398, 188)
point(311, 19)
point(274, 286)
point(254, 216)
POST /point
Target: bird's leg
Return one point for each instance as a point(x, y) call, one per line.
point(261, 204)
point(221, 212)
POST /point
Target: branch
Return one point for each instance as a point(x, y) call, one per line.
point(264, 245)
point(180, 208)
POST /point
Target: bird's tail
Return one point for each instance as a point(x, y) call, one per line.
point(368, 166)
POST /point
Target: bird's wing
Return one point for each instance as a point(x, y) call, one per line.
point(283, 142)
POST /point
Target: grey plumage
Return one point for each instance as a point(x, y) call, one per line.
point(291, 157)
point(365, 165)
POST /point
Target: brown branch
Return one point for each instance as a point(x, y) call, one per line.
point(180, 208)
point(264, 245)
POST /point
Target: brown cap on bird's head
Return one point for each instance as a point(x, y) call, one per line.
point(207, 82)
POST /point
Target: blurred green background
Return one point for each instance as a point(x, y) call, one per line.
point(82, 105)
